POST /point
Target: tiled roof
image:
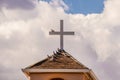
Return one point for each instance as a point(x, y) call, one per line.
point(59, 60)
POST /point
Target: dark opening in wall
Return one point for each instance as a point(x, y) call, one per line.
point(56, 79)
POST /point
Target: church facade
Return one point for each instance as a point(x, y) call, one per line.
point(59, 66)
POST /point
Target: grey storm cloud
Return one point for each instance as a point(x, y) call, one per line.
point(111, 66)
point(12, 4)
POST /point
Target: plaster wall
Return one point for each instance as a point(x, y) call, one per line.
point(65, 76)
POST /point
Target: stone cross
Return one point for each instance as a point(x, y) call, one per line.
point(61, 33)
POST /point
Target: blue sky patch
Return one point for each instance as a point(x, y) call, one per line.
point(84, 6)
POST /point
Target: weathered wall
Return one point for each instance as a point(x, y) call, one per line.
point(65, 76)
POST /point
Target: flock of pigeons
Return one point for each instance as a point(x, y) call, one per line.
point(56, 54)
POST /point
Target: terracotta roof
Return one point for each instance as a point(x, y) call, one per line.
point(59, 60)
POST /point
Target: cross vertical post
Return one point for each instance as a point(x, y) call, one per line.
point(61, 33)
point(61, 36)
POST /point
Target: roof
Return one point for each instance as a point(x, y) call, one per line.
point(59, 60)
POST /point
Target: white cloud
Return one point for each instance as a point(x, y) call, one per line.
point(59, 3)
point(24, 37)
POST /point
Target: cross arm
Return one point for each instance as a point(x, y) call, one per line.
point(68, 33)
point(54, 33)
point(64, 33)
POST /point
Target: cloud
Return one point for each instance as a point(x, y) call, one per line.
point(17, 4)
point(24, 37)
point(59, 3)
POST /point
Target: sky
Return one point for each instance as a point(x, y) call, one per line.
point(25, 39)
point(83, 6)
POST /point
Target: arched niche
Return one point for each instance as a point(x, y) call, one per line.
point(56, 79)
